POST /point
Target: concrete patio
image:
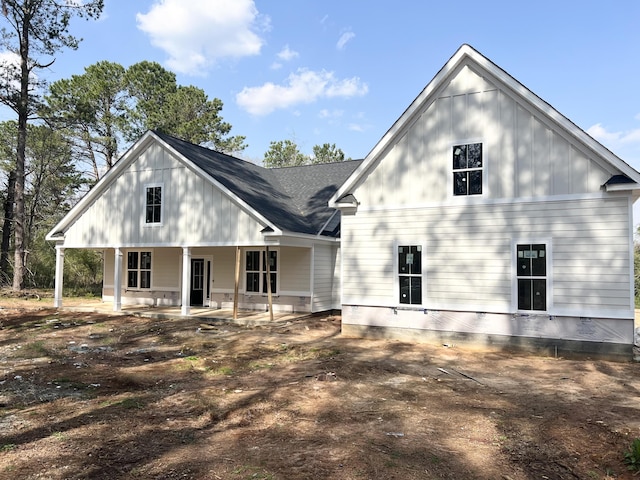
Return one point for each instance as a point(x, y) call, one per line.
point(244, 317)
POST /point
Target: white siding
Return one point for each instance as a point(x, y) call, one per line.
point(325, 268)
point(468, 260)
point(195, 212)
point(523, 156)
point(295, 271)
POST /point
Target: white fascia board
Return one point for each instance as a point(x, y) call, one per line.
point(622, 187)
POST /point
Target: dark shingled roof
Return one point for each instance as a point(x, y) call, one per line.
point(294, 199)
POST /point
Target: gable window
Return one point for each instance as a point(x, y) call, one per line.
point(410, 274)
point(532, 276)
point(153, 204)
point(467, 169)
point(256, 271)
point(138, 269)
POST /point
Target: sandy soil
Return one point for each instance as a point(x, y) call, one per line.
point(92, 396)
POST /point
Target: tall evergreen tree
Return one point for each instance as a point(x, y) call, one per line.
point(33, 29)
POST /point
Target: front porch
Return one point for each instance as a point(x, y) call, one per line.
point(204, 314)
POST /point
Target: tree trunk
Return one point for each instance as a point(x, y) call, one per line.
point(19, 267)
point(7, 227)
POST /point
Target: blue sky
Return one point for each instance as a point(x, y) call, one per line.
point(342, 71)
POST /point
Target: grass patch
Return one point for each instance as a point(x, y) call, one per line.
point(7, 447)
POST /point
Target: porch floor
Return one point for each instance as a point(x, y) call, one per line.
point(244, 317)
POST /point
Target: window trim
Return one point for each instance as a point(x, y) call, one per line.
point(144, 204)
point(396, 274)
point(262, 273)
point(451, 183)
point(139, 270)
point(549, 274)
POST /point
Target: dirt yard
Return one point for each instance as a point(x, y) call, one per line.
point(92, 396)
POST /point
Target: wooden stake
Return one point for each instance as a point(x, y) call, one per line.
point(269, 296)
point(236, 286)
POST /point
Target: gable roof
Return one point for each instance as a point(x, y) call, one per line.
point(467, 55)
point(294, 199)
point(291, 200)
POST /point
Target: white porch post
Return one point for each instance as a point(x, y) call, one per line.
point(57, 299)
point(186, 280)
point(117, 281)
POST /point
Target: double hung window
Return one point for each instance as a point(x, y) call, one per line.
point(467, 169)
point(139, 269)
point(532, 276)
point(256, 271)
point(410, 274)
point(153, 204)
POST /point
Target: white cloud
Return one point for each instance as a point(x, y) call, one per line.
point(304, 86)
point(324, 113)
point(196, 33)
point(623, 143)
point(344, 38)
point(287, 54)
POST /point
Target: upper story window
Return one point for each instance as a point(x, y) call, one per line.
point(467, 169)
point(153, 204)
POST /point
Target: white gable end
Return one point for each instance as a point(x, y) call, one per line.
point(194, 210)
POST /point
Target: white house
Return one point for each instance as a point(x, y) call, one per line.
point(483, 214)
point(184, 225)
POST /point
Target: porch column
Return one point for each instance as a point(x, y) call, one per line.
point(57, 298)
point(117, 281)
point(186, 280)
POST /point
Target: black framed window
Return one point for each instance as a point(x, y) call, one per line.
point(256, 271)
point(138, 269)
point(467, 169)
point(410, 274)
point(531, 264)
point(153, 204)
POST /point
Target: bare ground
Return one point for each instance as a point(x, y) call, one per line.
point(92, 396)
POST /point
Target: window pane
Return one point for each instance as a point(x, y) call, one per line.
point(524, 261)
point(539, 294)
point(149, 196)
point(264, 283)
point(156, 214)
point(403, 266)
point(459, 157)
point(474, 155)
point(145, 260)
point(475, 182)
point(416, 264)
point(253, 261)
point(416, 290)
point(145, 279)
point(405, 285)
point(157, 195)
point(460, 183)
point(273, 261)
point(132, 279)
point(538, 261)
point(253, 282)
point(132, 260)
point(524, 294)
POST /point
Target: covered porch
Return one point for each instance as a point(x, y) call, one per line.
point(204, 314)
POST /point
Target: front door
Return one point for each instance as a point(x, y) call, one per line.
point(197, 282)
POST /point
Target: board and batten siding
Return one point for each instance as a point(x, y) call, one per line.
point(195, 212)
point(468, 262)
point(522, 155)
